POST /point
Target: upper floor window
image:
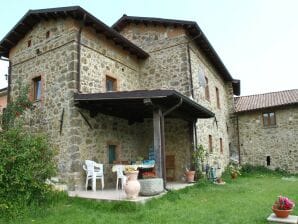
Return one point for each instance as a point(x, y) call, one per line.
point(217, 98)
point(210, 144)
point(221, 146)
point(29, 43)
point(207, 94)
point(37, 88)
point(111, 84)
point(269, 119)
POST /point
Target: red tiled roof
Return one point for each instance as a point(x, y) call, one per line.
point(266, 100)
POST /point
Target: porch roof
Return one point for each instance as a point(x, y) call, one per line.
point(139, 104)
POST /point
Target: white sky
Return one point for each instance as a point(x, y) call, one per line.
point(257, 40)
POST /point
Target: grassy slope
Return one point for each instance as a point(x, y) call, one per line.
point(246, 200)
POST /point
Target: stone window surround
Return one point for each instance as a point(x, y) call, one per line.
point(115, 79)
point(217, 98)
point(32, 88)
point(269, 120)
point(118, 150)
point(210, 144)
point(207, 93)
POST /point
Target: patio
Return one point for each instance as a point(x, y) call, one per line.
point(119, 195)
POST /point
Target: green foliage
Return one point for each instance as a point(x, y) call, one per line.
point(198, 157)
point(26, 161)
point(16, 108)
point(250, 169)
point(247, 200)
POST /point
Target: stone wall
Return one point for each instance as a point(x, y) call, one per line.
point(219, 126)
point(169, 68)
point(279, 142)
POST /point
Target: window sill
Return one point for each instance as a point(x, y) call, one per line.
point(271, 126)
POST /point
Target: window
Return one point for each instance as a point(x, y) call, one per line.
point(269, 119)
point(111, 84)
point(217, 97)
point(207, 95)
point(221, 146)
point(112, 153)
point(210, 144)
point(29, 43)
point(37, 88)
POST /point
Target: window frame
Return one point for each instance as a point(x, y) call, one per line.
point(270, 124)
point(217, 97)
point(221, 145)
point(37, 88)
point(207, 92)
point(210, 144)
point(114, 82)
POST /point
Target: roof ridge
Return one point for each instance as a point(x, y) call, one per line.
point(261, 94)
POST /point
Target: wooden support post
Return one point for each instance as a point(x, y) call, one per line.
point(157, 136)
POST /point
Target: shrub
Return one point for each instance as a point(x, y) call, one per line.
point(26, 161)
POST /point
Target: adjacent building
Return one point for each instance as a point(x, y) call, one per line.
point(267, 127)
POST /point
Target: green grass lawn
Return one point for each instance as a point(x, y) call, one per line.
point(245, 200)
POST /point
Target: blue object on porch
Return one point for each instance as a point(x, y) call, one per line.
point(151, 153)
point(149, 162)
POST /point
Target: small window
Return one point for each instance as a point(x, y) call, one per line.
point(268, 160)
point(221, 145)
point(37, 88)
point(207, 94)
point(111, 84)
point(29, 43)
point(48, 34)
point(217, 98)
point(269, 119)
point(112, 153)
point(210, 144)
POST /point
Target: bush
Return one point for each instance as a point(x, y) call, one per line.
point(26, 161)
point(248, 169)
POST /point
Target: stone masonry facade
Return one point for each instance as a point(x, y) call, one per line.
point(279, 142)
point(174, 62)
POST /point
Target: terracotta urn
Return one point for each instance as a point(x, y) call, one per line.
point(190, 176)
point(234, 175)
point(281, 213)
point(132, 186)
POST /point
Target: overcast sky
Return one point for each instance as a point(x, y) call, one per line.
point(257, 40)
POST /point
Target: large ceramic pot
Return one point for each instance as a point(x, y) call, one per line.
point(132, 186)
point(190, 176)
point(281, 213)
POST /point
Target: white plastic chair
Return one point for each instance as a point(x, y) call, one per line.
point(94, 171)
point(121, 176)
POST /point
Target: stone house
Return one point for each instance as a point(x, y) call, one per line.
point(118, 93)
point(267, 127)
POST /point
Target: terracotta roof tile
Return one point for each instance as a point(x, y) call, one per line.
point(266, 100)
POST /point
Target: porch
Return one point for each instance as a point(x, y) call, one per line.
point(146, 123)
point(119, 195)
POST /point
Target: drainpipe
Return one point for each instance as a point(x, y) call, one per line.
point(238, 139)
point(79, 37)
point(8, 78)
point(190, 72)
point(162, 127)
